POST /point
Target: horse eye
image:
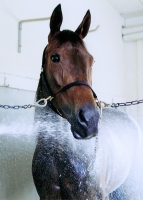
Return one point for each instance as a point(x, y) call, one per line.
point(55, 57)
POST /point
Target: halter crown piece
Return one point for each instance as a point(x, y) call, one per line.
point(48, 101)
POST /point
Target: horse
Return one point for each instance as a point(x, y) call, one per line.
point(81, 152)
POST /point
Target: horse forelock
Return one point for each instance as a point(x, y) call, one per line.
point(66, 36)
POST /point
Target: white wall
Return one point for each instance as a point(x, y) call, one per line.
point(21, 72)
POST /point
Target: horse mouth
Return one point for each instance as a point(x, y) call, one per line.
point(76, 135)
point(80, 136)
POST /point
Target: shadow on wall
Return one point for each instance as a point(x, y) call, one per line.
point(17, 145)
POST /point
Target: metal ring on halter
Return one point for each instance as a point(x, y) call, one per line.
point(37, 103)
point(44, 102)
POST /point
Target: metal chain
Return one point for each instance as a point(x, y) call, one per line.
point(113, 105)
point(16, 107)
point(129, 103)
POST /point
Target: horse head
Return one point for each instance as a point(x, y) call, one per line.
point(67, 71)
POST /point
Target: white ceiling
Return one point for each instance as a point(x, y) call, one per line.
point(128, 7)
point(124, 7)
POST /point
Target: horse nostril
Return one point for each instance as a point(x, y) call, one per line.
point(81, 117)
point(87, 121)
point(85, 115)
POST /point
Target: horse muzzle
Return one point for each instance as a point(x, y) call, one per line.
point(85, 124)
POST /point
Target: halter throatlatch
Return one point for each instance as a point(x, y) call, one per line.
point(48, 101)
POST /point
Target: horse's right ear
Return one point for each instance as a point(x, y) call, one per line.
point(55, 21)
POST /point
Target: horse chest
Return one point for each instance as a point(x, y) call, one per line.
point(60, 170)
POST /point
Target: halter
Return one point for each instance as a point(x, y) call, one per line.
point(48, 101)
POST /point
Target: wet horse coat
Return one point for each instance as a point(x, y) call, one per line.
point(78, 157)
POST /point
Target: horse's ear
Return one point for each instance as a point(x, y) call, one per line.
point(56, 21)
point(83, 28)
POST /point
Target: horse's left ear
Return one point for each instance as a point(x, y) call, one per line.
point(83, 28)
point(55, 21)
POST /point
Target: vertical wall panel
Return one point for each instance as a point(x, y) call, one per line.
point(140, 80)
point(133, 77)
point(130, 76)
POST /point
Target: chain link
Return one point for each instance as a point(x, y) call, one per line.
point(129, 103)
point(16, 106)
point(113, 105)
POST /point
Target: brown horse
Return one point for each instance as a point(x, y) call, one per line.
point(69, 164)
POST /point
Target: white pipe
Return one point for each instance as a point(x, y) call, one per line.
point(20, 29)
point(132, 33)
point(133, 37)
point(133, 29)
